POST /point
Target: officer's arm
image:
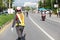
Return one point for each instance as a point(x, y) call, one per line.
point(14, 21)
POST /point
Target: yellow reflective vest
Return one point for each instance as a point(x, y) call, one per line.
point(21, 19)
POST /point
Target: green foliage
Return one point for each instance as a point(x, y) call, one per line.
point(47, 4)
point(54, 10)
point(40, 4)
point(59, 2)
point(7, 2)
point(3, 3)
point(33, 8)
point(27, 8)
point(0, 3)
point(5, 18)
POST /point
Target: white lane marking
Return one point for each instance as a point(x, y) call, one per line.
point(42, 29)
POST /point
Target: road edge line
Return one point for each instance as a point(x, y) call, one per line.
point(41, 29)
point(6, 26)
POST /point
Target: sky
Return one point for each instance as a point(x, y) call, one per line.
point(21, 2)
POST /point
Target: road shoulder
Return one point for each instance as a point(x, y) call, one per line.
point(5, 26)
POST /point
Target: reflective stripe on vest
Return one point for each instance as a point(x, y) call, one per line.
point(20, 19)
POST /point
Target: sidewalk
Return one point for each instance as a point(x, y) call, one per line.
point(54, 18)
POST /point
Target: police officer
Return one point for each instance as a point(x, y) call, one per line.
point(19, 22)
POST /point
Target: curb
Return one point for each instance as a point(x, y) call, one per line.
point(5, 26)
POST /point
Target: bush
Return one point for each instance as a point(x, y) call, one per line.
point(5, 18)
point(54, 10)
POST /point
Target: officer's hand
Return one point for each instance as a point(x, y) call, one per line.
point(12, 29)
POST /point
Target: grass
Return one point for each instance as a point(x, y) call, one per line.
point(5, 18)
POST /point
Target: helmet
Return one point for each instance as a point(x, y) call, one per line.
point(18, 9)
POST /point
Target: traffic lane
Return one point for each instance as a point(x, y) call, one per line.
point(33, 32)
point(56, 24)
point(8, 34)
point(51, 27)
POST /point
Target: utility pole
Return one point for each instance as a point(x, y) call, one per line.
point(9, 3)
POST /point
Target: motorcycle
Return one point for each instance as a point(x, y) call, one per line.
point(43, 16)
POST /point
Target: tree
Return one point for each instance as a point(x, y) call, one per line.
point(27, 8)
point(40, 4)
point(58, 2)
point(7, 2)
point(49, 4)
point(33, 8)
point(2, 5)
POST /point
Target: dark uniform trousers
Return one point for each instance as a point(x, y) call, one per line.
point(19, 30)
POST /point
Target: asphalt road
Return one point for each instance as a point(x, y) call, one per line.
point(35, 29)
point(51, 27)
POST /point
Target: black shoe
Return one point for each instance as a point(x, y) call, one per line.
point(19, 38)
